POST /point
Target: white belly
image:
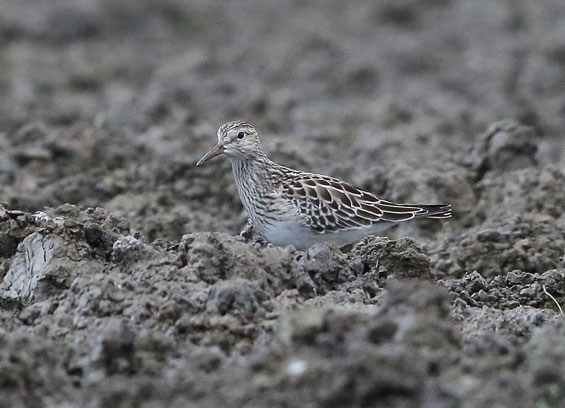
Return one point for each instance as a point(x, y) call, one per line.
point(291, 233)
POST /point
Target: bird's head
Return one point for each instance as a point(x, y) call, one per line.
point(238, 140)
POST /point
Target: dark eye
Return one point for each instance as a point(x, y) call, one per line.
point(240, 135)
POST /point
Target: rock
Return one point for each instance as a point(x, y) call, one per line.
point(8, 245)
point(474, 282)
point(327, 266)
point(527, 242)
point(129, 249)
point(215, 256)
point(403, 258)
point(528, 190)
point(506, 145)
point(96, 237)
point(511, 290)
point(43, 263)
point(105, 107)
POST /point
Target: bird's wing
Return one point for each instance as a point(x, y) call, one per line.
point(329, 205)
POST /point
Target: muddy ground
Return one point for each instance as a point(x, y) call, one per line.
point(124, 280)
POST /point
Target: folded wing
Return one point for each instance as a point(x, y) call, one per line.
point(330, 205)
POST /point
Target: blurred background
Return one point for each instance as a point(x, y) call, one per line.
point(110, 103)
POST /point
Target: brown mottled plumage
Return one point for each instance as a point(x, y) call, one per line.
point(288, 206)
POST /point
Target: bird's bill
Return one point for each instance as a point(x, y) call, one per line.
point(214, 151)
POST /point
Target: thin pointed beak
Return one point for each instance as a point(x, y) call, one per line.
point(214, 151)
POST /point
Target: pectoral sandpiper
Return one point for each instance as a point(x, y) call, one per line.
point(289, 206)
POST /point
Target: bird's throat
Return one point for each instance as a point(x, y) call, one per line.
point(253, 182)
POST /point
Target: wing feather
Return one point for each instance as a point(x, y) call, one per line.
point(329, 204)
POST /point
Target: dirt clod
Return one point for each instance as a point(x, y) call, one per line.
point(124, 282)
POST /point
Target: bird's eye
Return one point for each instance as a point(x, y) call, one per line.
point(240, 135)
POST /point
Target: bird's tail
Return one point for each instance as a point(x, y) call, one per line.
point(435, 210)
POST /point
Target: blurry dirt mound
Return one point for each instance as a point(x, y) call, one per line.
point(511, 289)
point(123, 312)
point(74, 274)
point(402, 259)
point(531, 243)
point(506, 145)
point(529, 191)
point(140, 293)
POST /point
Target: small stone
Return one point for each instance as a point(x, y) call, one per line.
point(506, 145)
point(513, 278)
point(474, 282)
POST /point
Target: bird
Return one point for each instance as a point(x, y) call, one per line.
point(293, 207)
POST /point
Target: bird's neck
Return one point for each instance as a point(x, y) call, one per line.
point(256, 181)
point(253, 174)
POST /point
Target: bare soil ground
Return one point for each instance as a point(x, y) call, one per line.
point(124, 282)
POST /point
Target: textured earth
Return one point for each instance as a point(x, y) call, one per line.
point(124, 281)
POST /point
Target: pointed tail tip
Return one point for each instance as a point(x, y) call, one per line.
point(439, 211)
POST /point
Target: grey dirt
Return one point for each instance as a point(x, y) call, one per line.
point(124, 282)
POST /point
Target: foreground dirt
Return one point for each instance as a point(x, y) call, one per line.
point(124, 281)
